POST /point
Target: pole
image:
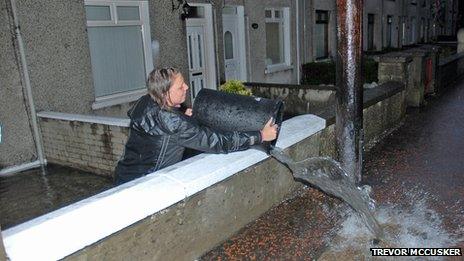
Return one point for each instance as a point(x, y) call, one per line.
point(348, 126)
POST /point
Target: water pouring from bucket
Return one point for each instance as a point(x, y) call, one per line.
point(327, 174)
point(232, 112)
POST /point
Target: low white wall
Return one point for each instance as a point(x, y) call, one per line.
point(72, 228)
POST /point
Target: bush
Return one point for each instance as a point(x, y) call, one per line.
point(235, 86)
point(371, 71)
point(316, 73)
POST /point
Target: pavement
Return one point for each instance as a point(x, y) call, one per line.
point(417, 177)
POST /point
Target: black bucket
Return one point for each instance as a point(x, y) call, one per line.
point(233, 112)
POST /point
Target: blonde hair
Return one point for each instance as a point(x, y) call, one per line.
point(158, 84)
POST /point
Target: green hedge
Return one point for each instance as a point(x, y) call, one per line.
point(316, 73)
point(371, 71)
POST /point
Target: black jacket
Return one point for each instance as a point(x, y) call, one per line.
point(158, 137)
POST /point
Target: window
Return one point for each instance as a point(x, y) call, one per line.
point(413, 30)
point(403, 29)
point(422, 30)
point(119, 40)
point(277, 38)
point(321, 35)
point(370, 31)
point(389, 30)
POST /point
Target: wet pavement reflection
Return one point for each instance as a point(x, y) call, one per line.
point(417, 177)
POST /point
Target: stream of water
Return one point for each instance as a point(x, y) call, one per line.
point(327, 174)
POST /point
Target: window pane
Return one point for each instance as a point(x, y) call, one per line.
point(274, 44)
point(197, 12)
point(117, 59)
point(322, 16)
point(97, 13)
point(370, 18)
point(190, 51)
point(193, 89)
point(320, 36)
point(277, 14)
point(200, 54)
point(370, 31)
point(370, 36)
point(229, 10)
point(228, 45)
point(268, 14)
point(389, 31)
point(128, 13)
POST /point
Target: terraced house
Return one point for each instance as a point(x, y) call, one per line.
point(91, 57)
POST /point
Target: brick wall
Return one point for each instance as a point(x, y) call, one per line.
point(88, 143)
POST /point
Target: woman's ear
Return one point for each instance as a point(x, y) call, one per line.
point(167, 99)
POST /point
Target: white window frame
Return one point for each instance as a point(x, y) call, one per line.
point(284, 21)
point(144, 23)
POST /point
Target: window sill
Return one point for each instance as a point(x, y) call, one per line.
point(277, 68)
point(115, 99)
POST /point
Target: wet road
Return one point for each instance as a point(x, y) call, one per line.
point(417, 176)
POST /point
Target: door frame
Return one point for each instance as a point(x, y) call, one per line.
point(210, 50)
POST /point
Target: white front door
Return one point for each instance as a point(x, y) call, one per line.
point(196, 58)
point(234, 43)
point(201, 51)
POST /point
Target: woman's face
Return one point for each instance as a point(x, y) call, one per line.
point(178, 91)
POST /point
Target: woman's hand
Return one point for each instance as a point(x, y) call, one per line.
point(269, 132)
point(189, 112)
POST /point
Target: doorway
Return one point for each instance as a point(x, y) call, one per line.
point(233, 21)
point(200, 48)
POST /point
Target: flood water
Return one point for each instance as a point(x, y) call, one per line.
point(326, 174)
point(33, 193)
point(417, 179)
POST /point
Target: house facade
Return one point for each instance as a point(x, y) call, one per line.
point(92, 56)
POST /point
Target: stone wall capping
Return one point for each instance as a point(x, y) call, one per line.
point(122, 122)
point(395, 57)
point(324, 87)
point(417, 52)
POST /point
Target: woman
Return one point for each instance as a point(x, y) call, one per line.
point(159, 131)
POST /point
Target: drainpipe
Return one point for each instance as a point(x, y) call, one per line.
point(248, 51)
point(216, 44)
point(27, 83)
point(382, 23)
point(348, 128)
point(297, 42)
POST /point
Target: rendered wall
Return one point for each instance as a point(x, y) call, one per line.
point(17, 144)
point(58, 57)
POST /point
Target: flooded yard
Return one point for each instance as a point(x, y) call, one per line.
point(33, 193)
